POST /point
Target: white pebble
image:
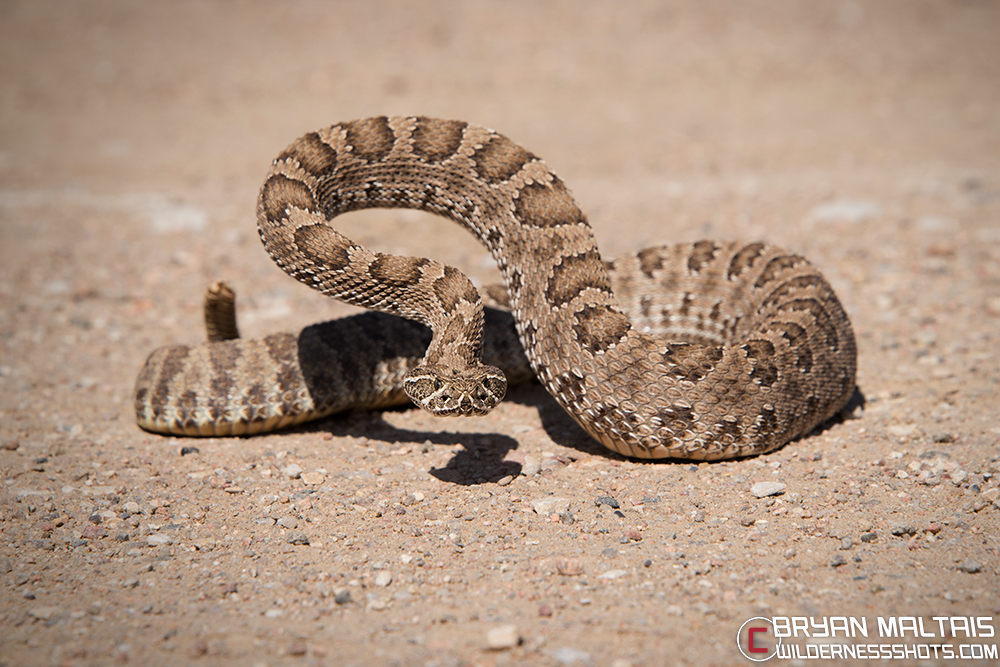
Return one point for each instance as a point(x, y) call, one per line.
point(613, 574)
point(503, 637)
point(764, 489)
point(313, 478)
point(292, 471)
point(550, 505)
point(532, 465)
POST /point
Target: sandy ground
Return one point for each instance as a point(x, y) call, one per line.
point(133, 138)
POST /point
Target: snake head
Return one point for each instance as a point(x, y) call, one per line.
point(449, 392)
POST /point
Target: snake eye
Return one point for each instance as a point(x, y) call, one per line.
point(438, 384)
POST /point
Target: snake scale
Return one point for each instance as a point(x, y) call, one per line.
point(710, 350)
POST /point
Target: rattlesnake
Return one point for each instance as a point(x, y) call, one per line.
point(717, 350)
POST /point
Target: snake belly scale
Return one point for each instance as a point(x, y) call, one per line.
point(710, 350)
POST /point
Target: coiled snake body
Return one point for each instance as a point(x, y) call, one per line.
point(714, 350)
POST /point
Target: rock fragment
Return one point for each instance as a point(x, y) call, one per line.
point(765, 489)
point(502, 637)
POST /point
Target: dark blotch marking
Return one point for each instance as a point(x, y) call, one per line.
point(691, 362)
point(499, 159)
point(701, 254)
point(453, 288)
point(514, 283)
point(313, 154)
point(541, 205)
point(282, 350)
point(650, 260)
point(223, 359)
point(744, 259)
point(729, 430)
point(809, 284)
point(767, 423)
point(677, 418)
point(823, 319)
point(686, 302)
point(436, 140)
point(760, 353)
point(776, 267)
point(646, 305)
point(281, 193)
point(321, 245)
point(798, 342)
point(171, 367)
point(598, 328)
point(397, 271)
point(371, 139)
point(575, 274)
point(570, 386)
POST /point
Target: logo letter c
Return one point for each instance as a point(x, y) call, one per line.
point(751, 647)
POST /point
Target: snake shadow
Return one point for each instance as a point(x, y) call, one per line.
point(482, 457)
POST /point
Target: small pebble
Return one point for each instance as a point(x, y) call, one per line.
point(846, 543)
point(313, 478)
point(297, 648)
point(545, 610)
point(765, 489)
point(189, 450)
point(569, 567)
point(607, 500)
point(342, 596)
point(550, 505)
point(502, 637)
point(838, 560)
point(292, 471)
point(505, 480)
point(570, 656)
point(383, 578)
point(532, 465)
point(970, 567)
point(296, 537)
point(43, 613)
point(412, 499)
point(11, 445)
point(613, 574)
point(158, 539)
point(869, 537)
point(93, 532)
